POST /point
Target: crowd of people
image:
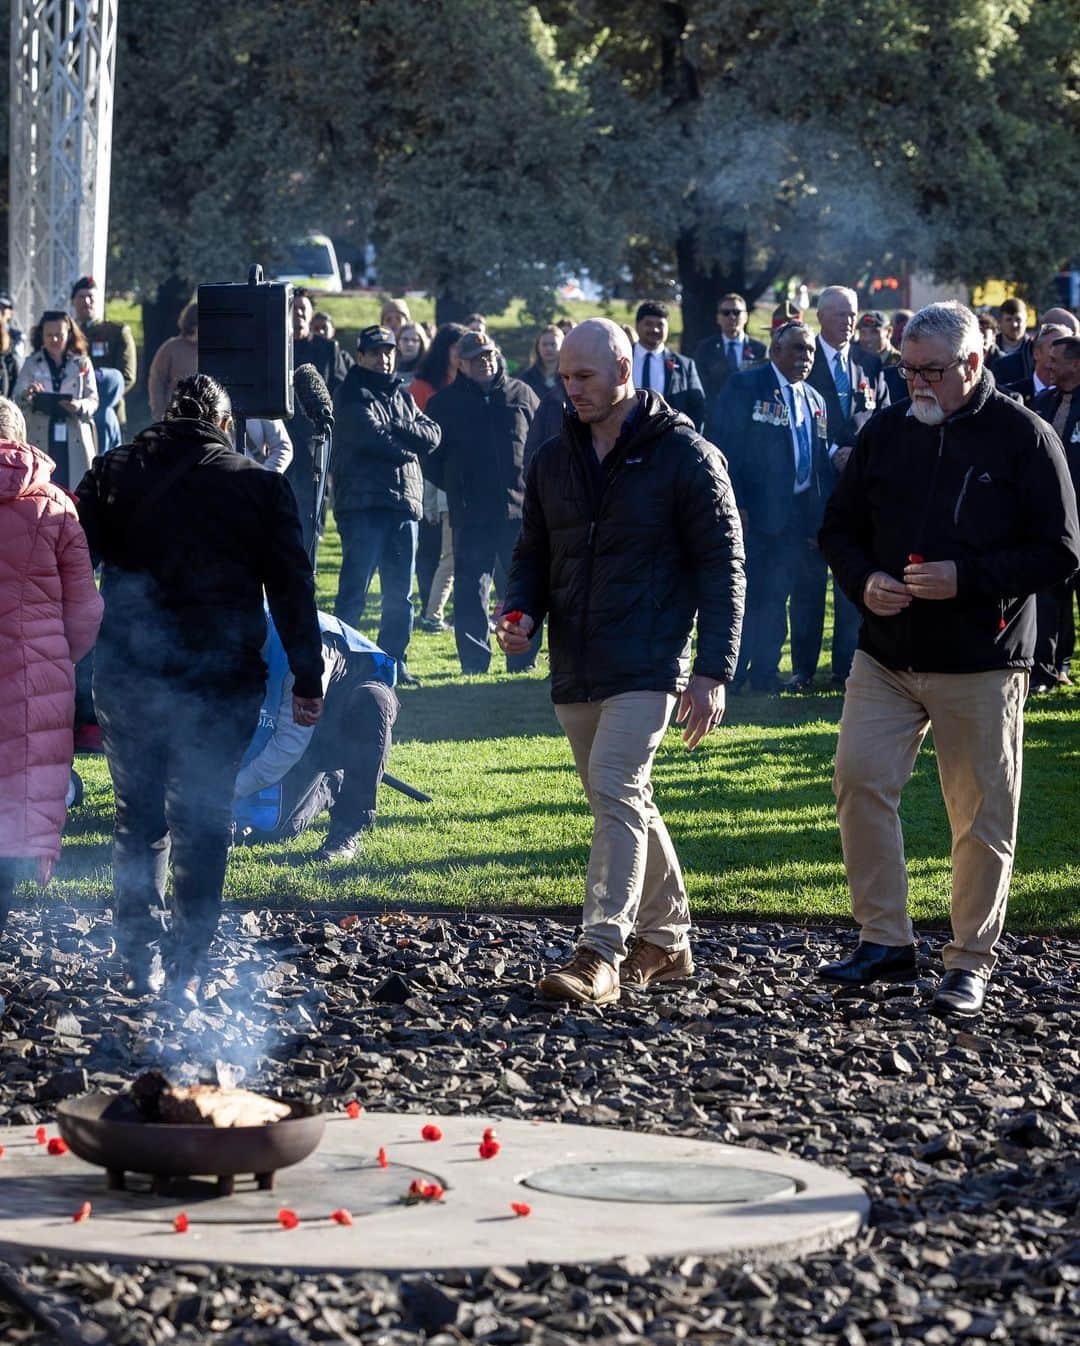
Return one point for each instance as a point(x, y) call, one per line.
point(621, 494)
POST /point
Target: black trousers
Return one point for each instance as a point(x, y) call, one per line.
point(173, 754)
point(8, 870)
point(781, 567)
point(344, 763)
point(1055, 635)
point(478, 550)
point(428, 551)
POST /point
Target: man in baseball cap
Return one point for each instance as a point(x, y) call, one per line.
point(376, 338)
point(113, 355)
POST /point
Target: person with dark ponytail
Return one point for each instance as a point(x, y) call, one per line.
point(190, 534)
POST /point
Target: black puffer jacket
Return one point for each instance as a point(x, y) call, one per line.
point(621, 575)
point(988, 489)
point(480, 461)
point(380, 436)
point(190, 533)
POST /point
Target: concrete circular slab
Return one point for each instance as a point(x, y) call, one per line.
point(782, 1207)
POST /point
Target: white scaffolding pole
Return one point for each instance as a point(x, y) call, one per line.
point(63, 63)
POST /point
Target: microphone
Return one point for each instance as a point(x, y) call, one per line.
point(314, 398)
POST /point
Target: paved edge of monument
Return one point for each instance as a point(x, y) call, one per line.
point(474, 1226)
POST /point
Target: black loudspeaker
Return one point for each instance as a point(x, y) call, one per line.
point(245, 342)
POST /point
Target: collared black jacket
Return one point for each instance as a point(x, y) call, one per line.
point(621, 574)
point(988, 489)
point(480, 462)
point(184, 573)
point(380, 437)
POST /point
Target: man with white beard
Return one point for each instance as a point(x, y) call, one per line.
point(954, 510)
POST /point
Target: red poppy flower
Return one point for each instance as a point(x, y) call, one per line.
point(914, 558)
point(180, 1224)
point(288, 1219)
point(489, 1149)
point(83, 1213)
point(489, 1133)
point(520, 1208)
point(434, 1191)
point(354, 1109)
point(1, 1152)
point(341, 1217)
point(39, 1135)
point(431, 1132)
point(513, 617)
point(57, 1146)
point(383, 1161)
point(416, 1187)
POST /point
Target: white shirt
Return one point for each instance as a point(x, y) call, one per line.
point(1040, 387)
point(831, 353)
point(802, 413)
point(656, 369)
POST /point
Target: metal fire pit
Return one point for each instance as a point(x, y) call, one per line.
point(106, 1129)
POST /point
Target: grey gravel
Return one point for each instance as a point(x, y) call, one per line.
point(965, 1134)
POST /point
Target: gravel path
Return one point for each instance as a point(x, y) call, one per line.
point(965, 1136)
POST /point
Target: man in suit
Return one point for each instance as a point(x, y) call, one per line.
point(660, 370)
point(1042, 375)
point(729, 350)
point(852, 384)
point(771, 425)
point(1055, 628)
point(1013, 360)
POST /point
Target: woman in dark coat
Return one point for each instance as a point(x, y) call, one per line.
point(190, 533)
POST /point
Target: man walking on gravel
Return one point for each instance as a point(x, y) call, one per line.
point(629, 529)
point(955, 509)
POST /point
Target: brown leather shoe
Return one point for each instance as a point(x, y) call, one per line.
point(647, 963)
point(588, 978)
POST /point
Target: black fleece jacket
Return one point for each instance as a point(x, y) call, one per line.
point(380, 438)
point(988, 489)
point(185, 566)
point(621, 571)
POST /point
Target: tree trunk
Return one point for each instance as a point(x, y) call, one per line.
point(159, 318)
point(449, 308)
point(703, 286)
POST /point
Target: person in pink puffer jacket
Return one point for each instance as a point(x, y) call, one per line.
point(50, 611)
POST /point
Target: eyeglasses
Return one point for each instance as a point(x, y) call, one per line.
point(930, 373)
point(732, 312)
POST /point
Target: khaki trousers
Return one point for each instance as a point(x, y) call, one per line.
point(978, 725)
point(634, 884)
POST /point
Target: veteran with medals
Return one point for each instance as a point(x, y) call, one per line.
point(772, 428)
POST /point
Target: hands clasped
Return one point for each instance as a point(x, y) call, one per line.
point(933, 580)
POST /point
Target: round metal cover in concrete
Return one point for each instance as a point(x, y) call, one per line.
point(663, 1183)
point(472, 1227)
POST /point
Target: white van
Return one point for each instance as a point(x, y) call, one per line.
point(312, 262)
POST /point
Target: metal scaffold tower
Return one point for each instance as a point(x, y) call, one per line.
point(63, 63)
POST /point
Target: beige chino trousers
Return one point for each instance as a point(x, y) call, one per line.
point(978, 723)
point(634, 885)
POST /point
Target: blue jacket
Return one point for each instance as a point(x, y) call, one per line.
point(262, 810)
point(749, 424)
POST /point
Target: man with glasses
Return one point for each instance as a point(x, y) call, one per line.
point(954, 511)
point(725, 353)
point(485, 417)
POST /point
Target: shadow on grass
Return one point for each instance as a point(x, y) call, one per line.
point(469, 711)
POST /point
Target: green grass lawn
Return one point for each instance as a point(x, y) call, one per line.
point(750, 810)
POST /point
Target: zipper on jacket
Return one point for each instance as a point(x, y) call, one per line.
point(917, 541)
point(960, 497)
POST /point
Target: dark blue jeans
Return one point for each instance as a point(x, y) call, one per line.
point(386, 539)
point(478, 549)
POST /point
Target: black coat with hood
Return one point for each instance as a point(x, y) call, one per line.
point(989, 489)
point(621, 571)
point(480, 462)
point(190, 533)
point(380, 438)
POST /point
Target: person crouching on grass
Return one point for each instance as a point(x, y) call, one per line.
point(629, 529)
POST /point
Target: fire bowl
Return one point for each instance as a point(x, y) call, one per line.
point(106, 1129)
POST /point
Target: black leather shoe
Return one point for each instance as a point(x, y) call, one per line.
point(960, 993)
point(870, 963)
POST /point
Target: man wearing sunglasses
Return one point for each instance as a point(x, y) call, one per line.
point(729, 350)
point(954, 510)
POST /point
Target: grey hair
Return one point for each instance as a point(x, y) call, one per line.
point(12, 422)
point(951, 320)
point(837, 292)
point(788, 328)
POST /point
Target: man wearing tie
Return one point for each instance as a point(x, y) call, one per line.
point(771, 425)
point(659, 370)
point(725, 353)
point(852, 384)
point(1055, 628)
